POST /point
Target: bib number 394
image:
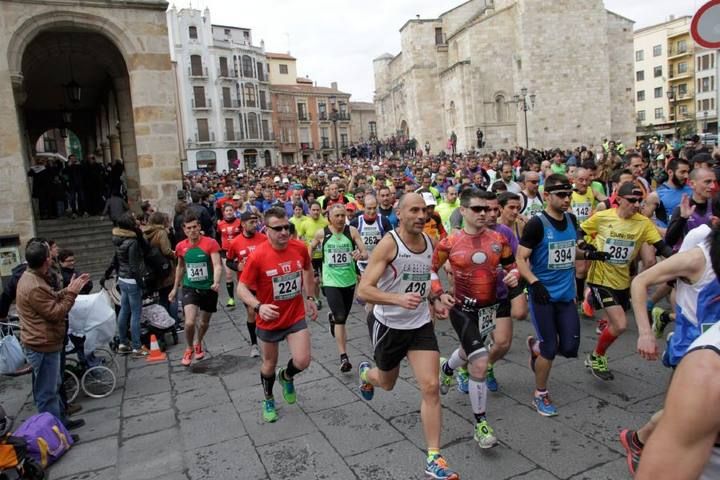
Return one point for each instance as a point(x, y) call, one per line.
point(561, 255)
point(286, 287)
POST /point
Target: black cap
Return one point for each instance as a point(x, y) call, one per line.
point(629, 188)
point(248, 216)
point(703, 157)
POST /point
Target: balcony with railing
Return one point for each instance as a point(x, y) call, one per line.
point(231, 104)
point(343, 116)
point(323, 117)
point(197, 72)
point(306, 146)
point(233, 137)
point(209, 138)
point(201, 103)
point(227, 73)
point(675, 52)
point(304, 117)
point(325, 143)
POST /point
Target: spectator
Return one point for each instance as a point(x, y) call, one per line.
point(156, 234)
point(115, 206)
point(93, 185)
point(43, 314)
point(66, 258)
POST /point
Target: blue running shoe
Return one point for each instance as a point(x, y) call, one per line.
point(437, 467)
point(462, 378)
point(366, 388)
point(544, 405)
point(490, 379)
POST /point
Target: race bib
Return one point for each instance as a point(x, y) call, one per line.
point(286, 287)
point(561, 255)
point(620, 250)
point(339, 259)
point(416, 283)
point(197, 272)
point(486, 320)
point(370, 237)
point(581, 211)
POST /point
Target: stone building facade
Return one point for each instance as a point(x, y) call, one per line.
point(460, 73)
point(116, 52)
point(363, 126)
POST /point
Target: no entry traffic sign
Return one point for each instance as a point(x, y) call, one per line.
point(705, 26)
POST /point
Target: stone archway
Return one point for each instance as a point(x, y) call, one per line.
point(132, 114)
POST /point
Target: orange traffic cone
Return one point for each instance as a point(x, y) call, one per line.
point(156, 355)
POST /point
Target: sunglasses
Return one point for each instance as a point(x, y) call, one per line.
point(532, 181)
point(562, 194)
point(633, 199)
point(280, 228)
point(479, 208)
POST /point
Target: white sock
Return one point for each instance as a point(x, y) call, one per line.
point(456, 360)
point(478, 395)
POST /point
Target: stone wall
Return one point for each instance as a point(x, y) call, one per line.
point(622, 72)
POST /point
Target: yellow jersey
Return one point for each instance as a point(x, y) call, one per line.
point(307, 229)
point(622, 239)
point(582, 206)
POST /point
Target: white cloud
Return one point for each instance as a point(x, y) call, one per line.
point(336, 40)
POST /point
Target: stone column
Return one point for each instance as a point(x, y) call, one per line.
point(115, 150)
point(107, 158)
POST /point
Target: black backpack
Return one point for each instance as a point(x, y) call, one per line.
point(157, 266)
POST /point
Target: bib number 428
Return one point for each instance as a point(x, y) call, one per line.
point(417, 287)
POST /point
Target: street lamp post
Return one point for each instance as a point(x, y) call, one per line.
point(672, 99)
point(334, 119)
point(705, 115)
point(525, 103)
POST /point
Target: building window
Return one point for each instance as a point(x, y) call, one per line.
point(224, 72)
point(682, 89)
point(203, 133)
point(373, 129)
point(681, 47)
point(658, 92)
point(263, 101)
point(439, 37)
point(639, 55)
point(706, 62)
point(192, 32)
point(196, 67)
point(500, 109)
point(682, 68)
point(641, 116)
point(229, 130)
point(227, 98)
point(640, 95)
point(227, 32)
point(325, 137)
point(250, 99)
point(260, 71)
point(252, 129)
point(265, 130)
point(199, 97)
point(657, 71)
point(343, 139)
point(657, 50)
point(283, 69)
point(302, 111)
point(322, 111)
point(659, 114)
point(683, 110)
point(247, 66)
point(640, 75)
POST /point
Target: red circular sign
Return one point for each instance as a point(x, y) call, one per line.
point(705, 26)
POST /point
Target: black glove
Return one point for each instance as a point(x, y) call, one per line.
point(232, 264)
point(597, 256)
point(539, 293)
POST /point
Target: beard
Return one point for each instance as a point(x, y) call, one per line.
point(677, 182)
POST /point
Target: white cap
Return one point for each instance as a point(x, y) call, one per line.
point(376, 168)
point(276, 179)
point(429, 198)
point(285, 180)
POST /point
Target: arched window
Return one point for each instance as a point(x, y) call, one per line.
point(192, 32)
point(253, 130)
point(500, 109)
point(247, 65)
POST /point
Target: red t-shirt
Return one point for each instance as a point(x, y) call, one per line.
point(277, 276)
point(228, 231)
point(241, 247)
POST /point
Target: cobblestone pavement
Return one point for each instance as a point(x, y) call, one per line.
point(165, 421)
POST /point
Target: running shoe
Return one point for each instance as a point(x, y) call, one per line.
point(633, 452)
point(462, 379)
point(331, 324)
point(445, 379)
point(288, 387)
point(437, 467)
point(659, 321)
point(598, 365)
point(345, 365)
point(601, 324)
point(124, 349)
point(230, 303)
point(530, 342)
point(544, 406)
point(485, 435)
point(254, 351)
point(141, 352)
point(199, 353)
point(366, 388)
point(187, 357)
point(269, 413)
point(490, 379)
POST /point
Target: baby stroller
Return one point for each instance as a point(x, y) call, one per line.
point(156, 321)
point(94, 368)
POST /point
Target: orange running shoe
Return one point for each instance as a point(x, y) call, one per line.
point(187, 357)
point(199, 353)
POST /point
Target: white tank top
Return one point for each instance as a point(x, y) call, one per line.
point(687, 295)
point(710, 340)
point(408, 272)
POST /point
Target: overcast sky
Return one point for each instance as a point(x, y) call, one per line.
point(336, 40)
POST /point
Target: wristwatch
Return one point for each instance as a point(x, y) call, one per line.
point(257, 307)
point(311, 298)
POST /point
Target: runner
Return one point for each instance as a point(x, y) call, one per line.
point(532, 204)
point(306, 231)
point(341, 246)
point(583, 205)
point(386, 207)
point(227, 229)
point(546, 259)
point(447, 206)
point(510, 213)
point(397, 281)
point(199, 271)
point(475, 253)
point(697, 290)
point(662, 202)
point(280, 270)
point(372, 226)
point(620, 232)
point(237, 255)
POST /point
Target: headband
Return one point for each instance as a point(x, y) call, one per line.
point(559, 188)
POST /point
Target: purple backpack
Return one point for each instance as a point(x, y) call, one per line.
point(46, 437)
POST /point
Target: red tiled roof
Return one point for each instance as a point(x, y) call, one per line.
point(311, 89)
